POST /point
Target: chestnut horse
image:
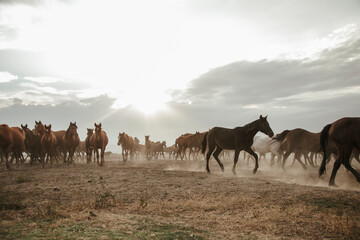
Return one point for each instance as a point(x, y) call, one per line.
point(88, 147)
point(6, 142)
point(18, 143)
point(99, 141)
point(40, 129)
point(127, 145)
point(181, 144)
point(70, 141)
point(239, 138)
point(48, 145)
point(149, 152)
point(345, 133)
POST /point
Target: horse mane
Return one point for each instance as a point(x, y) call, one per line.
point(251, 126)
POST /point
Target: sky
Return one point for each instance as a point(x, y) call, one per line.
point(167, 67)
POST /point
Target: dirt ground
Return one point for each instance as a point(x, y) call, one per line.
point(168, 199)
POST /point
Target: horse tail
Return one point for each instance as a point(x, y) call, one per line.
point(280, 137)
point(203, 143)
point(324, 138)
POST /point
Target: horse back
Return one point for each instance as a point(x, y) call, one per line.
point(347, 131)
point(302, 140)
point(227, 138)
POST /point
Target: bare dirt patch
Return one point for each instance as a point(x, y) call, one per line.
point(167, 199)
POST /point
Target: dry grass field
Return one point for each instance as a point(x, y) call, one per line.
point(167, 199)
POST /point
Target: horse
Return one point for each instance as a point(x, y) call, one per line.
point(18, 143)
point(6, 142)
point(300, 142)
point(158, 149)
point(127, 145)
point(99, 140)
point(40, 129)
point(192, 142)
point(265, 144)
point(70, 141)
point(181, 144)
point(239, 138)
point(32, 144)
point(88, 147)
point(48, 144)
point(149, 147)
point(345, 133)
point(138, 148)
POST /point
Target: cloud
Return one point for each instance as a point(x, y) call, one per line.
point(295, 89)
point(34, 3)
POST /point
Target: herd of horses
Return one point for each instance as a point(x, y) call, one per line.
point(340, 139)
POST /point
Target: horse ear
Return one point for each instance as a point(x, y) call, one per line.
point(261, 117)
point(95, 124)
point(266, 117)
point(100, 125)
point(49, 125)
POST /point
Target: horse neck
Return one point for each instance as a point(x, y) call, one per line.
point(252, 128)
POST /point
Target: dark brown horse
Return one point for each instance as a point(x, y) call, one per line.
point(48, 145)
point(301, 142)
point(6, 142)
point(32, 144)
point(99, 141)
point(88, 147)
point(70, 141)
point(127, 145)
point(345, 133)
point(239, 138)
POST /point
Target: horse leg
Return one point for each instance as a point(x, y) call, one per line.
point(251, 152)
point(208, 155)
point(236, 158)
point(216, 156)
point(298, 157)
point(102, 156)
point(336, 167)
point(287, 154)
point(346, 162)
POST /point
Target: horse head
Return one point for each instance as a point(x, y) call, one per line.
point(72, 130)
point(264, 126)
point(47, 128)
point(121, 138)
point(39, 128)
point(97, 128)
point(90, 132)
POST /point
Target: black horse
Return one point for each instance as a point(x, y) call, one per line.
point(239, 138)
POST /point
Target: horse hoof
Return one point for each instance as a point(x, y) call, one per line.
point(254, 171)
point(333, 185)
